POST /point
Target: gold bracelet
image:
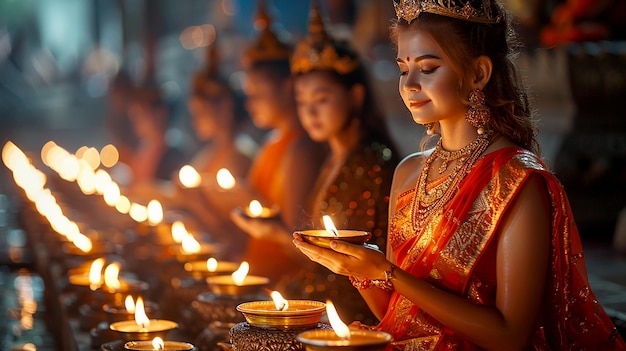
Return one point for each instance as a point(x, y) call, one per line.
point(386, 284)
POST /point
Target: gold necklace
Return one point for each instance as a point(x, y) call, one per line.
point(427, 202)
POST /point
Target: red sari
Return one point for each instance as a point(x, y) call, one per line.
point(456, 252)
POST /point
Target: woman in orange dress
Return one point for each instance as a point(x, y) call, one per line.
point(483, 251)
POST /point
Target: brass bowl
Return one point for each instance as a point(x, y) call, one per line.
point(299, 314)
point(323, 238)
point(129, 330)
point(360, 340)
point(224, 285)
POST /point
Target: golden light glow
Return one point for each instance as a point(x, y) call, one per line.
point(338, 325)
point(111, 194)
point(255, 207)
point(225, 179)
point(87, 181)
point(109, 156)
point(82, 242)
point(240, 274)
point(123, 204)
point(129, 303)
point(111, 276)
point(95, 273)
point(158, 344)
point(137, 212)
point(189, 177)
point(179, 232)
point(102, 180)
point(69, 168)
point(280, 302)
point(211, 264)
point(155, 212)
point(140, 314)
point(190, 244)
point(92, 156)
point(329, 225)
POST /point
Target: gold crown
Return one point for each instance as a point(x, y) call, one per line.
point(317, 52)
point(267, 46)
point(207, 81)
point(409, 10)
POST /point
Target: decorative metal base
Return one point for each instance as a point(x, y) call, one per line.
point(245, 337)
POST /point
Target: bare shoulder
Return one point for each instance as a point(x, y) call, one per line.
point(410, 167)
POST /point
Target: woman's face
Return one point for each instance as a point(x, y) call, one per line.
point(264, 99)
point(205, 117)
point(428, 85)
point(324, 106)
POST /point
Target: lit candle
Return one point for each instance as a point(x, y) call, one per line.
point(142, 328)
point(238, 283)
point(210, 267)
point(256, 210)
point(281, 313)
point(225, 179)
point(158, 344)
point(189, 177)
point(323, 237)
point(341, 337)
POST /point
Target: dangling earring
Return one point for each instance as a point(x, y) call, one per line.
point(478, 114)
point(430, 128)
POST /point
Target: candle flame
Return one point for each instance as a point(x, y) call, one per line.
point(141, 318)
point(190, 244)
point(95, 273)
point(240, 274)
point(111, 274)
point(179, 232)
point(330, 226)
point(189, 177)
point(211, 264)
point(339, 327)
point(82, 242)
point(158, 343)
point(279, 301)
point(225, 179)
point(129, 303)
point(155, 212)
point(255, 207)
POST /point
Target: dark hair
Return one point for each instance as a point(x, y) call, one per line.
point(462, 41)
point(371, 116)
point(275, 69)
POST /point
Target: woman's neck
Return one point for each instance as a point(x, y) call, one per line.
point(456, 135)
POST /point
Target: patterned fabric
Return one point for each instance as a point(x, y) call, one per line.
point(456, 252)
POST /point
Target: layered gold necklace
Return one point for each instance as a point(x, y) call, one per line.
point(428, 201)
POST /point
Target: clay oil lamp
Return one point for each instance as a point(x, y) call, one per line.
point(281, 313)
point(342, 338)
point(158, 344)
point(323, 237)
point(210, 267)
point(239, 283)
point(142, 328)
point(188, 247)
point(126, 312)
point(256, 210)
point(116, 288)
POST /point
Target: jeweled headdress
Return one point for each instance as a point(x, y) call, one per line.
point(469, 10)
point(318, 52)
point(207, 82)
point(267, 46)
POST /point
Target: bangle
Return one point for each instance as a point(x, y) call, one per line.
point(386, 284)
point(360, 284)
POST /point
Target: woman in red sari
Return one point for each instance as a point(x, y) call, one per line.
point(483, 252)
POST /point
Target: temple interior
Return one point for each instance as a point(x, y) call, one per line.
point(58, 63)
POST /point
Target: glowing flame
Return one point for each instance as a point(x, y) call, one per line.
point(225, 179)
point(279, 301)
point(95, 273)
point(140, 314)
point(82, 242)
point(129, 303)
point(158, 344)
point(240, 274)
point(189, 177)
point(111, 275)
point(211, 264)
point(179, 232)
point(138, 212)
point(155, 212)
point(190, 244)
point(330, 226)
point(255, 207)
point(339, 327)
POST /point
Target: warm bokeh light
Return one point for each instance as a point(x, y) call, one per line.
point(255, 208)
point(111, 194)
point(189, 177)
point(69, 168)
point(140, 314)
point(138, 213)
point(155, 212)
point(240, 274)
point(102, 179)
point(197, 36)
point(95, 273)
point(190, 244)
point(225, 179)
point(92, 156)
point(109, 156)
point(340, 328)
point(179, 232)
point(129, 303)
point(123, 204)
point(211, 264)
point(279, 301)
point(82, 242)
point(111, 276)
point(329, 225)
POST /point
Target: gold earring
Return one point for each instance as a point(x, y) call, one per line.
point(478, 113)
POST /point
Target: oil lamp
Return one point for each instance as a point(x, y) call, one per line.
point(142, 327)
point(210, 267)
point(158, 344)
point(256, 210)
point(341, 338)
point(239, 283)
point(324, 237)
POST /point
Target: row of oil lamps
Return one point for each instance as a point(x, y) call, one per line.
point(301, 318)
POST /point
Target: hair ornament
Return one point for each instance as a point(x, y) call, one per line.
point(267, 47)
point(409, 10)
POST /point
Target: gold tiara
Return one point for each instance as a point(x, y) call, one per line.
point(409, 10)
point(267, 46)
point(317, 51)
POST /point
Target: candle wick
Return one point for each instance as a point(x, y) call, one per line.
point(335, 232)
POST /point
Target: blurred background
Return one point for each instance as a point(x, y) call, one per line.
point(59, 59)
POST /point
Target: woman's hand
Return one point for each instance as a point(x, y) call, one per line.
point(346, 259)
point(257, 228)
